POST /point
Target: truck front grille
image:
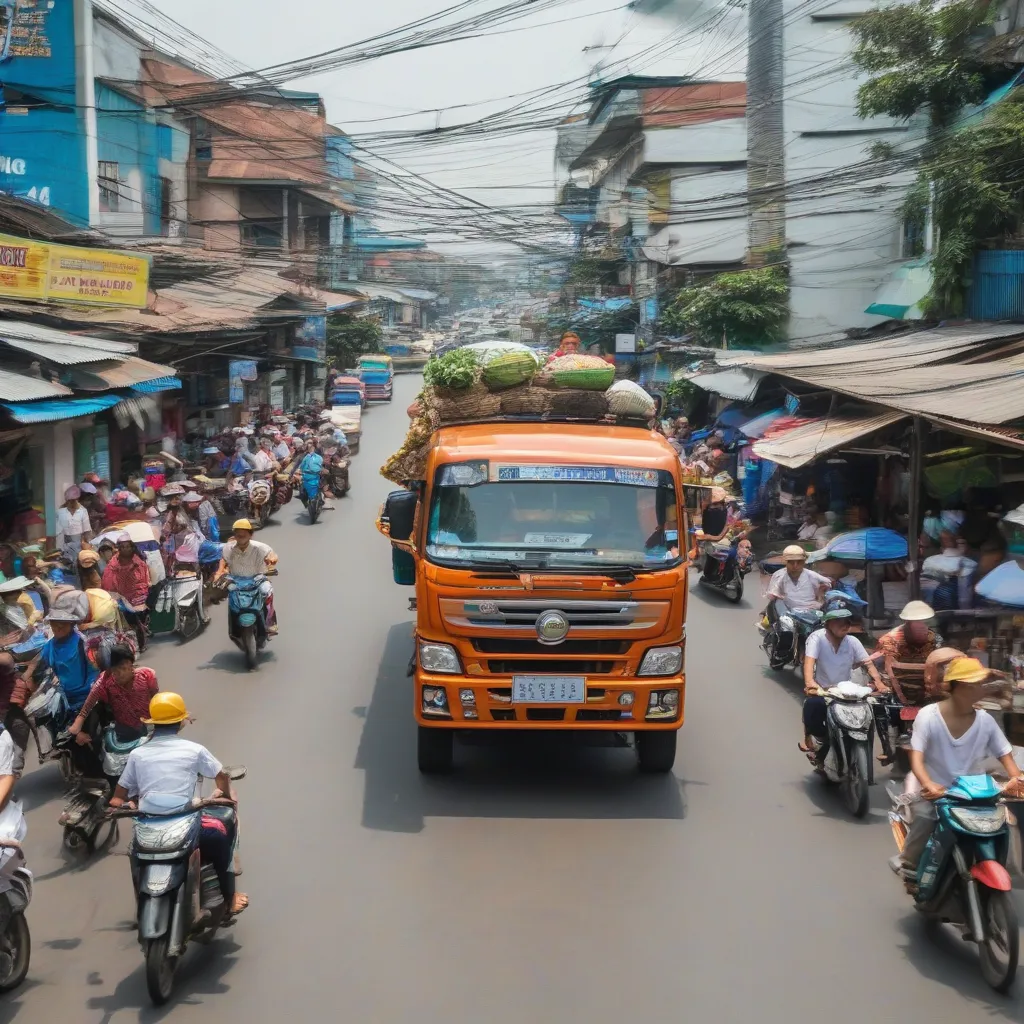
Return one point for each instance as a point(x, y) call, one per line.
point(516, 615)
point(512, 645)
point(550, 666)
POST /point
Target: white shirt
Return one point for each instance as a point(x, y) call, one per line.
point(250, 562)
point(71, 525)
point(282, 452)
point(263, 461)
point(947, 758)
point(832, 666)
point(12, 818)
point(164, 772)
point(801, 594)
point(949, 563)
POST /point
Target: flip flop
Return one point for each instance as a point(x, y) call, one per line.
point(233, 911)
point(804, 749)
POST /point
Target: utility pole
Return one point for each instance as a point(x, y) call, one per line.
point(766, 169)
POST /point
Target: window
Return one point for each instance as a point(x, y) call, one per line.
point(166, 206)
point(912, 239)
point(109, 179)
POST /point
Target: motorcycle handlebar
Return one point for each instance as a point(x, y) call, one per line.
point(196, 805)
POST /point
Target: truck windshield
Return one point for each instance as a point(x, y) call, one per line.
point(557, 523)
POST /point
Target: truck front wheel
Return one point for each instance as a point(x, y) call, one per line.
point(656, 751)
point(434, 750)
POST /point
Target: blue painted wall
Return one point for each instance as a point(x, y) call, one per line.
point(997, 290)
point(42, 150)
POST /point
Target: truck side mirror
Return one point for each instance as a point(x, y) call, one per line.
point(400, 514)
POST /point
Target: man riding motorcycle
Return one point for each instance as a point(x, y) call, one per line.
point(829, 659)
point(311, 470)
point(167, 767)
point(796, 587)
point(243, 556)
point(950, 739)
point(910, 643)
point(126, 691)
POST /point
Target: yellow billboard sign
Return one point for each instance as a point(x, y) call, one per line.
point(44, 272)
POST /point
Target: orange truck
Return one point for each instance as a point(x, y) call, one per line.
point(549, 562)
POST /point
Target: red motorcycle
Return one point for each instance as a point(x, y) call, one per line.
point(282, 491)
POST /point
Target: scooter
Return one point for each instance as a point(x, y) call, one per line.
point(784, 636)
point(48, 714)
point(717, 574)
point(247, 616)
point(178, 898)
point(15, 895)
point(260, 493)
point(315, 505)
point(845, 757)
point(962, 878)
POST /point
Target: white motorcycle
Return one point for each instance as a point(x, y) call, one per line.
point(15, 896)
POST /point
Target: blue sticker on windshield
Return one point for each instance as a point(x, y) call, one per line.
point(578, 474)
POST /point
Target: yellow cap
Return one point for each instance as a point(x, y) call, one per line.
point(966, 670)
point(242, 524)
point(166, 709)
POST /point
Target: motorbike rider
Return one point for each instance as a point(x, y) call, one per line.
point(714, 526)
point(167, 767)
point(13, 692)
point(830, 657)
point(950, 738)
point(311, 470)
point(243, 556)
point(795, 588)
point(126, 691)
point(910, 643)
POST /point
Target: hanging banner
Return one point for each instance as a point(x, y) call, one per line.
point(310, 339)
point(64, 273)
point(239, 370)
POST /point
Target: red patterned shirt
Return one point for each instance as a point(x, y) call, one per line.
point(128, 704)
point(131, 581)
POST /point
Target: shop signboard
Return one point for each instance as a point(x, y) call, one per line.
point(625, 343)
point(64, 273)
point(239, 371)
point(310, 340)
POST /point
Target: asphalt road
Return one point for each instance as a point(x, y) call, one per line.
point(539, 883)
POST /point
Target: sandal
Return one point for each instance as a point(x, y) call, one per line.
point(240, 903)
point(804, 749)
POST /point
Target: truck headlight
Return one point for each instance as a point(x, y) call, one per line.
point(662, 661)
point(440, 658)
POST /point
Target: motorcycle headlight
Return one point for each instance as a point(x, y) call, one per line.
point(440, 658)
point(852, 716)
point(786, 623)
point(662, 661)
point(984, 820)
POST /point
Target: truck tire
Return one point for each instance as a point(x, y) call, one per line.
point(656, 751)
point(434, 750)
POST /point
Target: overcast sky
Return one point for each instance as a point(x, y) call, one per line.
point(690, 37)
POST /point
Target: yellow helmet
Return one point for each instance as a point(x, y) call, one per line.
point(242, 524)
point(166, 709)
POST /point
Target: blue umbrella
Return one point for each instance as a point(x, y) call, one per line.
point(1003, 585)
point(758, 426)
point(873, 544)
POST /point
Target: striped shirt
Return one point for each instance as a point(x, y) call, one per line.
point(128, 704)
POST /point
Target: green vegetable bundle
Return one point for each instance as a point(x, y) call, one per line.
point(455, 370)
point(508, 369)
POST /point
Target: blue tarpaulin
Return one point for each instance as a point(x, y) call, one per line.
point(51, 409)
point(874, 544)
point(150, 387)
point(1003, 585)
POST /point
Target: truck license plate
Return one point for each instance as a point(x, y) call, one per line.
point(549, 689)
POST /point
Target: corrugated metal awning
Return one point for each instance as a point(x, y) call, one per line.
point(803, 444)
point(19, 387)
point(119, 374)
point(737, 383)
point(61, 346)
point(899, 297)
point(51, 410)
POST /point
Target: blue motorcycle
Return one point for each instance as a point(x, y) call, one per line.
point(247, 616)
point(962, 877)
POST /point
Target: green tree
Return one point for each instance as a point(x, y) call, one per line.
point(746, 309)
point(349, 337)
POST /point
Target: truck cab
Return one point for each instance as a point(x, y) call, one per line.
point(551, 584)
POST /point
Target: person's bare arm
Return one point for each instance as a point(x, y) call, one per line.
point(930, 789)
point(6, 789)
point(119, 797)
point(810, 686)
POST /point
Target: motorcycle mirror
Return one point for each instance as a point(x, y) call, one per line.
point(236, 772)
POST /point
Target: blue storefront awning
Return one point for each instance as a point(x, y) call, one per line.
point(53, 409)
point(150, 387)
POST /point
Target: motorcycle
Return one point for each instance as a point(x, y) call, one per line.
point(845, 757)
point(315, 505)
point(282, 492)
point(962, 877)
point(784, 636)
point(49, 716)
point(178, 898)
point(260, 493)
point(84, 816)
point(717, 574)
point(247, 616)
point(15, 895)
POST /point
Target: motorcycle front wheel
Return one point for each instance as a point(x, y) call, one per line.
point(18, 943)
point(160, 969)
point(855, 785)
point(313, 509)
point(249, 647)
point(776, 661)
point(735, 589)
point(999, 952)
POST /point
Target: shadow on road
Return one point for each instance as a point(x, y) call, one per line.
point(199, 975)
point(715, 599)
point(941, 956)
point(13, 1001)
point(39, 786)
point(233, 660)
point(497, 775)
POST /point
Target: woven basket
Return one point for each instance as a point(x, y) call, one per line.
point(406, 465)
point(589, 405)
point(476, 403)
point(525, 401)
